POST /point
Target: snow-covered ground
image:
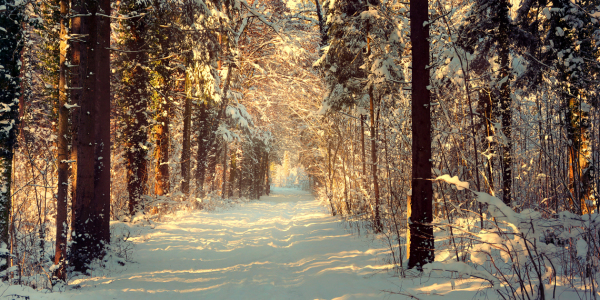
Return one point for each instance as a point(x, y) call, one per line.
point(286, 246)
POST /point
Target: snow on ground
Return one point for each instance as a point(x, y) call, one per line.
point(286, 246)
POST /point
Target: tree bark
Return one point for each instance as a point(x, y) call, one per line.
point(136, 99)
point(377, 220)
point(211, 155)
point(362, 143)
point(421, 246)
point(322, 25)
point(78, 58)
point(268, 179)
point(102, 125)
point(162, 151)
point(232, 174)
point(224, 179)
point(186, 146)
point(578, 152)
point(203, 147)
point(505, 101)
point(241, 179)
point(86, 222)
point(62, 148)
point(485, 98)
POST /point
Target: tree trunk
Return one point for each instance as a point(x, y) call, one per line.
point(485, 97)
point(259, 181)
point(162, 186)
point(505, 101)
point(62, 148)
point(86, 221)
point(203, 134)
point(362, 143)
point(10, 89)
point(213, 140)
point(78, 58)
point(268, 179)
point(102, 125)
point(263, 171)
point(224, 185)
point(162, 135)
point(232, 174)
point(241, 179)
point(421, 246)
point(322, 25)
point(136, 99)
point(186, 151)
point(377, 221)
point(580, 176)
point(327, 190)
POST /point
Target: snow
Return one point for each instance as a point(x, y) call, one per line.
point(462, 269)
point(582, 248)
point(69, 106)
point(460, 185)
point(547, 14)
point(286, 246)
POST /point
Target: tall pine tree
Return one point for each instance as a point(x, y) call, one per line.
point(11, 43)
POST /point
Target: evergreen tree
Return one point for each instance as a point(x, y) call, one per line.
point(163, 81)
point(134, 97)
point(572, 50)
point(359, 66)
point(11, 43)
point(489, 34)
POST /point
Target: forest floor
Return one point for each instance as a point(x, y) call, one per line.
point(285, 246)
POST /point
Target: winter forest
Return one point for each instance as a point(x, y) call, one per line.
point(458, 139)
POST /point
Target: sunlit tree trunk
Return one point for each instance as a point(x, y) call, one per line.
point(420, 215)
point(485, 98)
point(330, 179)
point(162, 185)
point(162, 136)
point(224, 179)
point(579, 155)
point(575, 109)
point(362, 143)
point(241, 178)
point(62, 148)
point(136, 100)
point(232, 174)
point(267, 171)
point(377, 220)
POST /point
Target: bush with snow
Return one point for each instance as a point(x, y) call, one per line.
point(523, 255)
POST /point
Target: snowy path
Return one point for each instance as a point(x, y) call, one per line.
point(285, 246)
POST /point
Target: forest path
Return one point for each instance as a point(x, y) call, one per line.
point(285, 246)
